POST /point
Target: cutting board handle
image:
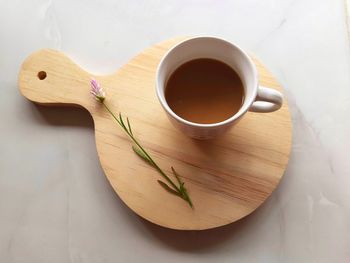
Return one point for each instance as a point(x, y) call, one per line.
point(49, 77)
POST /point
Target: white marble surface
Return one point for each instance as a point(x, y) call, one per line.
point(57, 206)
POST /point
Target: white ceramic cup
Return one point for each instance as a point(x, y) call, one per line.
point(256, 98)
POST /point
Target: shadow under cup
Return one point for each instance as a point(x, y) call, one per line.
point(212, 48)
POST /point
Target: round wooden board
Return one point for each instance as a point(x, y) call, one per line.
point(227, 178)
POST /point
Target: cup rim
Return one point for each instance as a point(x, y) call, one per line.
point(230, 120)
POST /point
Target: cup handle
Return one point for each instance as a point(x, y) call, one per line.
point(267, 100)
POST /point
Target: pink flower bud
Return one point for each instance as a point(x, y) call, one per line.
point(97, 91)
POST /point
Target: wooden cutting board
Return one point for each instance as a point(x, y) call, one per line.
point(227, 178)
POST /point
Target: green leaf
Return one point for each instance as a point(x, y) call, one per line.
point(129, 126)
point(121, 121)
point(184, 194)
point(167, 188)
point(141, 154)
point(188, 199)
point(176, 176)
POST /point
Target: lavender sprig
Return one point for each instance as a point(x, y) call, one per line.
point(177, 188)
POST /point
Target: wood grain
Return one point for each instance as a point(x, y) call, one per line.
point(227, 178)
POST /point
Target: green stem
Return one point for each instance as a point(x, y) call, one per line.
point(183, 193)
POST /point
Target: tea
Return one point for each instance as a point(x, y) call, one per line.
point(204, 91)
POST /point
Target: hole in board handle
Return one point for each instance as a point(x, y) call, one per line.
point(42, 75)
